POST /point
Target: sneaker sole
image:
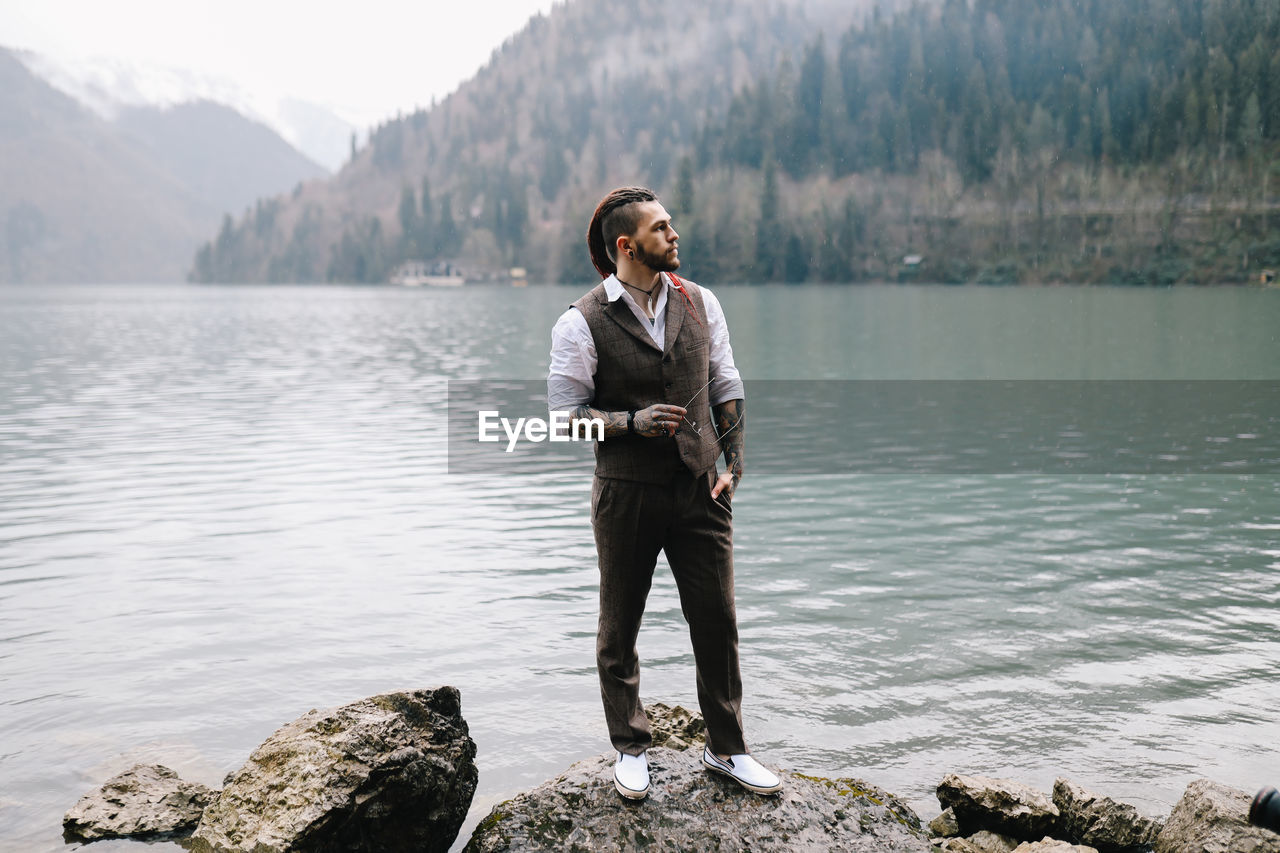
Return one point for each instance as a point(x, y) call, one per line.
point(630, 793)
point(753, 788)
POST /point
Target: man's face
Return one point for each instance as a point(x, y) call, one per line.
point(655, 240)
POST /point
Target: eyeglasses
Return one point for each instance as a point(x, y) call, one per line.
point(693, 425)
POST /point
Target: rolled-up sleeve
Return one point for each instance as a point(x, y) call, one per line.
point(571, 380)
point(726, 384)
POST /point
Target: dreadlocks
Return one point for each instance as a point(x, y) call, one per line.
point(614, 217)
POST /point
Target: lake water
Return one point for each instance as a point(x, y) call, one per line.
point(223, 506)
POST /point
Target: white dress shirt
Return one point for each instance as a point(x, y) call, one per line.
point(571, 382)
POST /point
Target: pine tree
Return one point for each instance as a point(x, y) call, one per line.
point(768, 243)
point(426, 236)
point(1251, 139)
point(447, 233)
point(1251, 125)
point(1271, 108)
point(555, 170)
point(684, 188)
point(810, 91)
point(408, 224)
point(1104, 145)
point(977, 128)
point(795, 266)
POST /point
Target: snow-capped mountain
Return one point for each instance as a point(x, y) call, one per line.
point(110, 86)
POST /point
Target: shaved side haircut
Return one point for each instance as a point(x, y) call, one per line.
point(614, 217)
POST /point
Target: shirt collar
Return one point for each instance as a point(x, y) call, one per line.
point(613, 288)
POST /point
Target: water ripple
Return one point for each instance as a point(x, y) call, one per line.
point(221, 507)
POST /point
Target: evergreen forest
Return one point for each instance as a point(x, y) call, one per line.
point(998, 141)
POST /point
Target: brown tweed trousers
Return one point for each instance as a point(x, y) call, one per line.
point(654, 494)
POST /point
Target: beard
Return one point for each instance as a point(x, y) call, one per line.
point(656, 262)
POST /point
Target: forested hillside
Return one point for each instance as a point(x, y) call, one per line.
point(1003, 140)
point(996, 140)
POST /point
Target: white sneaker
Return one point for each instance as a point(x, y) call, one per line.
point(744, 770)
point(631, 775)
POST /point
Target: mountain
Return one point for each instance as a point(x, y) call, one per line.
point(223, 158)
point(79, 202)
point(1005, 141)
point(315, 131)
point(955, 140)
point(506, 170)
point(85, 199)
point(111, 86)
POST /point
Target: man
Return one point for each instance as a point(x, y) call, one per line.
point(648, 353)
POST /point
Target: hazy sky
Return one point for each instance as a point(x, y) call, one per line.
point(365, 59)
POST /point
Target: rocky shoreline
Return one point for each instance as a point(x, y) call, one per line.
point(397, 772)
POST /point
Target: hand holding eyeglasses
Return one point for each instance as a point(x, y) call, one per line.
point(659, 419)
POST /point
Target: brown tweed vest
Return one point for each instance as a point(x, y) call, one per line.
point(633, 373)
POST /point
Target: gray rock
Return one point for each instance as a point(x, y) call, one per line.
point(1101, 822)
point(945, 825)
point(675, 727)
point(390, 772)
point(147, 801)
point(1213, 818)
point(980, 842)
point(1052, 845)
point(691, 809)
point(992, 842)
point(1001, 805)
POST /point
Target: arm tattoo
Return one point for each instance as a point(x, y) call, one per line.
point(650, 422)
point(615, 423)
point(731, 426)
